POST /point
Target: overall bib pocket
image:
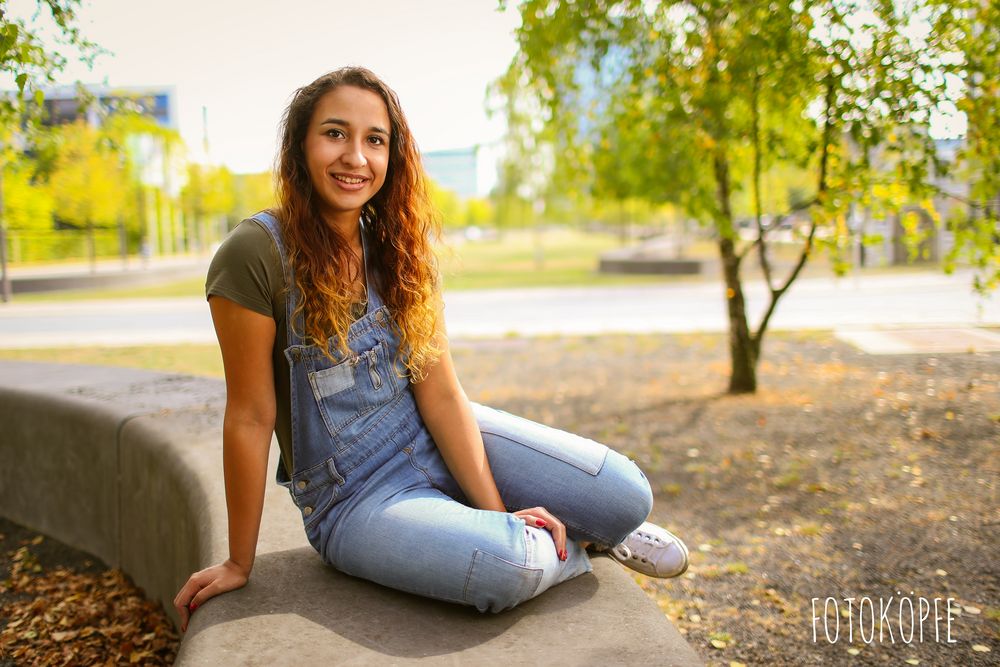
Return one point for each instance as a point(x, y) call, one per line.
point(345, 388)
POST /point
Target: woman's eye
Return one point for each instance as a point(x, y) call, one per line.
point(377, 140)
point(334, 133)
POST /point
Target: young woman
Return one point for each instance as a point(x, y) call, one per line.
point(329, 315)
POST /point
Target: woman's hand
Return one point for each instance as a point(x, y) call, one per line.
point(206, 584)
point(542, 518)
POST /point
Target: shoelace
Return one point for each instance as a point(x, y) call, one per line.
point(649, 543)
point(621, 551)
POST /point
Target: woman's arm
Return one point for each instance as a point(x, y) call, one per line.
point(446, 412)
point(445, 409)
point(246, 339)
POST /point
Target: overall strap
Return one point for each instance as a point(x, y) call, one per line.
point(374, 302)
point(273, 228)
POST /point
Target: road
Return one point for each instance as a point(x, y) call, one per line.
point(816, 303)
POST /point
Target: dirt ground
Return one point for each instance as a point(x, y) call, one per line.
point(846, 477)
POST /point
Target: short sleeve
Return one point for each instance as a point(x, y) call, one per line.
point(246, 269)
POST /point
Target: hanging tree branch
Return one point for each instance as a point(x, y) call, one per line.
point(821, 189)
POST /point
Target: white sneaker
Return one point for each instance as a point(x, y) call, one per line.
point(653, 551)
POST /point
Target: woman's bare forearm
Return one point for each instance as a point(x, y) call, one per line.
point(245, 448)
point(452, 425)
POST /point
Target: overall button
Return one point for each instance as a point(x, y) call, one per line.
point(407, 449)
point(306, 511)
point(380, 317)
point(302, 484)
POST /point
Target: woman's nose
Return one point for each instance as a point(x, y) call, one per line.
point(354, 156)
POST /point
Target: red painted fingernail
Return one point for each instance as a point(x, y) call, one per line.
point(539, 522)
point(192, 607)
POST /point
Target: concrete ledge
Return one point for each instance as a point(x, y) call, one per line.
point(128, 465)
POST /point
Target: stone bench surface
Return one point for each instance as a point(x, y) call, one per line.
point(127, 465)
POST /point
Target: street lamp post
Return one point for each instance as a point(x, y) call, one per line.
point(6, 293)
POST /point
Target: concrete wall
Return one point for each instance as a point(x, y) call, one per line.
point(127, 465)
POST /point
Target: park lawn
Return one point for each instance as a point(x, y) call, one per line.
point(192, 287)
point(570, 258)
point(189, 359)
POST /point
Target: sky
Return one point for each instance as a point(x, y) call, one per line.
point(243, 59)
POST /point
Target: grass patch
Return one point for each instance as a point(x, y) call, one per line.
point(188, 287)
point(189, 359)
point(566, 257)
point(737, 567)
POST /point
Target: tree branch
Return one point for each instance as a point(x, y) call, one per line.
point(821, 188)
point(765, 264)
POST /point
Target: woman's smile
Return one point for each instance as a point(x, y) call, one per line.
point(347, 151)
point(350, 182)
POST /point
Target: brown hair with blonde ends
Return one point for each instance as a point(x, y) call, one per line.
point(399, 220)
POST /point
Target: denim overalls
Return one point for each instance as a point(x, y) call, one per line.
point(378, 501)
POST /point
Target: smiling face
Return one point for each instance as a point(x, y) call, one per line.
point(347, 151)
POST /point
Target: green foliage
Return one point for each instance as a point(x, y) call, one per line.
point(251, 193)
point(447, 203)
point(696, 102)
point(458, 211)
point(30, 63)
point(209, 191)
point(27, 207)
point(89, 182)
point(976, 222)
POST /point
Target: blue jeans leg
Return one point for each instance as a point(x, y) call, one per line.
point(600, 494)
point(403, 533)
point(412, 528)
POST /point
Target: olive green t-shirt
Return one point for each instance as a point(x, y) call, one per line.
point(247, 269)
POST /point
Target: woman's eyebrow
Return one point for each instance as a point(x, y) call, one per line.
point(340, 121)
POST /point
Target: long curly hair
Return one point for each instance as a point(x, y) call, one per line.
point(400, 220)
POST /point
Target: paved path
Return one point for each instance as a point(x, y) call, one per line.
point(816, 303)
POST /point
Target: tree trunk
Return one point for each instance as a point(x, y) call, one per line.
point(742, 349)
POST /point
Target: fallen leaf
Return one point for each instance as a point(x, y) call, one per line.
point(981, 648)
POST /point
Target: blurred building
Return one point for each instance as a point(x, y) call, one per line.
point(162, 171)
point(456, 170)
point(63, 104)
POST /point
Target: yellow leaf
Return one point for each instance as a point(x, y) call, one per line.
point(980, 648)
